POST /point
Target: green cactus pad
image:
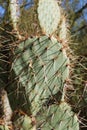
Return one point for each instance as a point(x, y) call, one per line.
point(57, 117)
point(41, 66)
point(25, 123)
point(48, 15)
point(3, 127)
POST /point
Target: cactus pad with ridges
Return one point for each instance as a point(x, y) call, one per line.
point(57, 117)
point(41, 66)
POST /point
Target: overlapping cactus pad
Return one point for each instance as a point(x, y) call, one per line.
point(57, 117)
point(25, 123)
point(41, 67)
point(49, 15)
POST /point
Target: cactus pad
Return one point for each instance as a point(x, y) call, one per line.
point(41, 66)
point(48, 15)
point(57, 117)
point(25, 123)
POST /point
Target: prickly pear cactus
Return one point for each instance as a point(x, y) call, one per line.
point(41, 66)
point(57, 117)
